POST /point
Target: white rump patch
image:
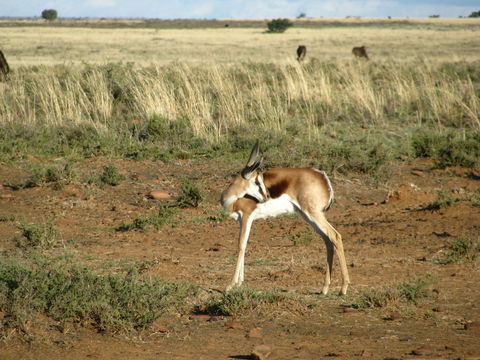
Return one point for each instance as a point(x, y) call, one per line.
point(330, 188)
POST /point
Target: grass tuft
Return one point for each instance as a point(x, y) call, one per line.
point(41, 236)
point(71, 293)
point(190, 195)
point(411, 292)
point(461, 249)
point(111, 176)
point(243, 300)
point(155, 221)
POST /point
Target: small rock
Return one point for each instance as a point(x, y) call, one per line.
point(395, 316)
point(255, 333)
point(261, 352)
point(416, 172)
point(159, 327)
point(439, 308)
point(200, 317)
point(420, 351)
point(473, 326)
point(234, 325)
point(159, 195)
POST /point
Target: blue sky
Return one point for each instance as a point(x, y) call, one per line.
point(251, 9)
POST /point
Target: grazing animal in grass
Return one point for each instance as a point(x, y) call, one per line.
point(301, 52)
point(4, 68)
point(360, 51)
point(255, 194)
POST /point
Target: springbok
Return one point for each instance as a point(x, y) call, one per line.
point(360, 51)
point(254, 195)
point(301, 52)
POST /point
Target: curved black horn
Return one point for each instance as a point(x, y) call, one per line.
point(253, 155)
point(248, 170)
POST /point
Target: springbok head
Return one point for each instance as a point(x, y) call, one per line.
point(248, 182)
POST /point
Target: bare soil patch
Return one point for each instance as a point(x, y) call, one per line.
point(389, 237)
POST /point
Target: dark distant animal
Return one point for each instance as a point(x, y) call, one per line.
point(4, 68)
point(301, 52)
point(360, 51)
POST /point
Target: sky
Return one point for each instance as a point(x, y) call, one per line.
point(246, 9)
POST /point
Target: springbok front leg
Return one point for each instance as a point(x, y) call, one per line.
point(246, 221)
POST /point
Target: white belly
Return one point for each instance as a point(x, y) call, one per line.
point(275, 207)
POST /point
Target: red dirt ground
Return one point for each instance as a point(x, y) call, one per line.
point(388, 235)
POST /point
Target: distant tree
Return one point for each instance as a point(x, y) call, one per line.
point(301, 15)
point(279, 25)
point(49, 14)
point(434, 16)
point(474, 14)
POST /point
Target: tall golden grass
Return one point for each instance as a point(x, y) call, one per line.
point(215, 100)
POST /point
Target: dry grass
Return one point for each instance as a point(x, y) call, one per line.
point(215, 100)
point(328, 40)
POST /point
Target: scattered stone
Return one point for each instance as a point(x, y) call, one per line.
point(200, 317)
point(421, 351)
point(234, 325)
point(348, 309)
point(473, 326)
point(394, 316)
point(416, 172)
point(261, 352)
point(255, 333)
point(439, 308)
point(159, 327)
point(159, 195)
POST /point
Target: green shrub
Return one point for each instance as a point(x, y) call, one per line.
point(238, 300)
point(460, 249)
point(279, 25)
point(474, 14)
point(110, 176)
point(190, 195)
point(49, 14)
point(444, 200)
point(449, 148)
point(58, 177)
point(155, 221)
point(410, 292)
point(42, 236)
point(71, 293)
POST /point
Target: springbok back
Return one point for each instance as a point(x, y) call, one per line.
point(255, 195)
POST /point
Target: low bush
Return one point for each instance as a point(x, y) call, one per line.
point(411, 292)
point(69, 292)
point(41, 236)
point(154, 221)
point(279, 25)
point(461, 249)
point(241, 300)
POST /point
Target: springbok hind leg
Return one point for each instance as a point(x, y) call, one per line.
point(334, 244)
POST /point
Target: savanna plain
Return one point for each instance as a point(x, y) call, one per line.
point(96, 115)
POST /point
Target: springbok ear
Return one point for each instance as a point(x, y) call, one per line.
point(249, 170)
point(253, 155)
